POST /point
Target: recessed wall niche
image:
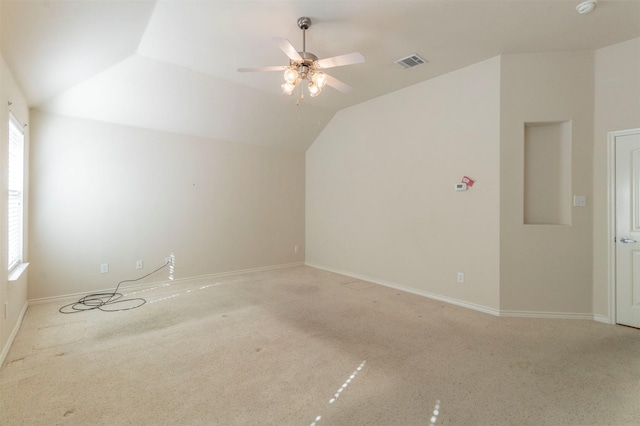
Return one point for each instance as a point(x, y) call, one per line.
point(547, 173)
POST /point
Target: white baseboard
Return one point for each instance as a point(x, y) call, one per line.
point(547, 315)
point(475, 307)
point(418, 292)
point(12, 336)
point(68, 297)
point(462, 303)
point(603, 318)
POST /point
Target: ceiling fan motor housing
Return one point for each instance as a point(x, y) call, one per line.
point(307, 64)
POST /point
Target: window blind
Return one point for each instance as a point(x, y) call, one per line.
point(15, 186)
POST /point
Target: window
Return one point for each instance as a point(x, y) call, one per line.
point(16, 180)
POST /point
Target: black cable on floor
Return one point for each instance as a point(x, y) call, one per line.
point(101, 301)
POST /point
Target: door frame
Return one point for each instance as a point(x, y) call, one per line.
point(611, 216)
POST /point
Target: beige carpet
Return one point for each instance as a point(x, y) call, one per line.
point(299, 346)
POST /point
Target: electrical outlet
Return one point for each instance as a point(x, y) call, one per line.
point(579, 201)
point(171, 261)
point(295, 249)
point(104, 268)
point(139, 264)
point(460, 277)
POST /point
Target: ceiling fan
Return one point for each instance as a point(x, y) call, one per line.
point(306, 66)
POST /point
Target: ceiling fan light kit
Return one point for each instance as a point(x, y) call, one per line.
point(306, 66)
point(306, 69)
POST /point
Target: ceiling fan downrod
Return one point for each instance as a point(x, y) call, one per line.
point(304, 23)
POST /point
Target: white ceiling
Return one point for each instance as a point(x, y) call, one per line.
point(172, 65)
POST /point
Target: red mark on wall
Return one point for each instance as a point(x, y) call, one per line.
point(468, 181)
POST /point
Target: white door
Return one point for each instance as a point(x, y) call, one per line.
point(627, 151)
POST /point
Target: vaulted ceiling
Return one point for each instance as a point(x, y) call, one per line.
point(172, 65)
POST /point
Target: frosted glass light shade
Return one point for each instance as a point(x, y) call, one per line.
point(320, 79)
point(314, 90)
point(290, 75)
point(287, 88)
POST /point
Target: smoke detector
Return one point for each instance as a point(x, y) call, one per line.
point(586, 6)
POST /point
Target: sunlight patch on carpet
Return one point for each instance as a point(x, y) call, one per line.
point(341, 389)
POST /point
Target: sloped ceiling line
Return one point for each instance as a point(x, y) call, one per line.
point(171, 65)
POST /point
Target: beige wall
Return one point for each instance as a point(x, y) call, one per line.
point(379, 193)
point(546, 268)
point(617, 107)
point(105, 193)
point(14, 293)
point(380, 188)
point(380, 202)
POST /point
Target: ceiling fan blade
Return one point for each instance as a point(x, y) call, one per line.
point(288, 49)
point(337, 84)
point(338, 61)
point(273, 68)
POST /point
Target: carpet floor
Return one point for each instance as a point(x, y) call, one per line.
point(301, 346)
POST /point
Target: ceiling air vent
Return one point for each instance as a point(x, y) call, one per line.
point(410, 61)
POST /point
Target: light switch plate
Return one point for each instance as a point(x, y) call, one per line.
point(579, 201)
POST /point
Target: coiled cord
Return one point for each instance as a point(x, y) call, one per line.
point(103, 301)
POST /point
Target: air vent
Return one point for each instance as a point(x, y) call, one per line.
point(410, 61)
